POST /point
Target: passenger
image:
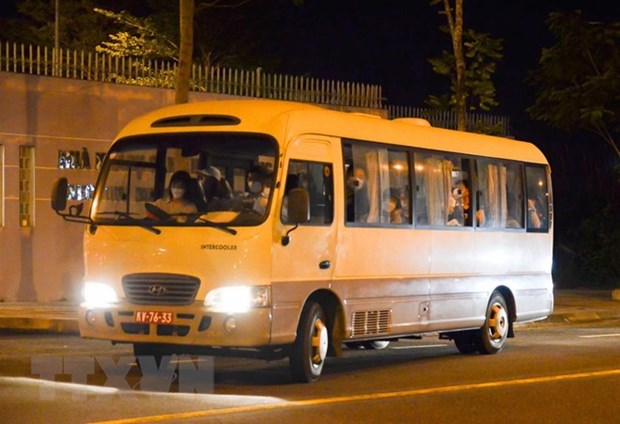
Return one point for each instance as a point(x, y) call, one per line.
point(393, 208)
point(358, 203)
point(534, 218)
point(178, 199)
point(459, 207)
point(214, 191)
point(259, 186)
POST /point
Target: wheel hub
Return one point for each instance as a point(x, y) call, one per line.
point(319, 342)
point(498, 322)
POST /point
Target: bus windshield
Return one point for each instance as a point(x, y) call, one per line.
point(186, 179)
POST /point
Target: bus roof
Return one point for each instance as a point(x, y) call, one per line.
point(286, 120)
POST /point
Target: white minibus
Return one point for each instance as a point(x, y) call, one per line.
point(288, 230)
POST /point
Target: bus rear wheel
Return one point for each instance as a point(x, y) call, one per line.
point(309, 351)
point(494, 332)
point(376, 344)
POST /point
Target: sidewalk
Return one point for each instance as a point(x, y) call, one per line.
point(571, 306)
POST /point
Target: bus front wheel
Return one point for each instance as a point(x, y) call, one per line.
point(308, 353)
point(494, 332)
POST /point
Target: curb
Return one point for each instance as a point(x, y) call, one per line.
point(43, 325)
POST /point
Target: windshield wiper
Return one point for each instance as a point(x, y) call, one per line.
point(147, 225)
point(218, 225)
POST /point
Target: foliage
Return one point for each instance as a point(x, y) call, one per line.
point(79, 27)
point(485, 128)
point(598, 248)
point(578, 78)
point(481, 53)
point(146, 40)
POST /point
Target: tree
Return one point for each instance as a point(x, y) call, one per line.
point(470, 67)
point(481, 52)
point(455, 26)
point(186, 23)
point(578, 78)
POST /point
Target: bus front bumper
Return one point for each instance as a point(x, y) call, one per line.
point(183, 325)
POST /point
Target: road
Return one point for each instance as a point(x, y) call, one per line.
point(547, 374)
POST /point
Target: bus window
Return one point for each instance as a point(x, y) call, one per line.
point(499, 194)
point(317, 179)
point(537, 198)
point(377, 184)
point(396, 200)
point(443, 188)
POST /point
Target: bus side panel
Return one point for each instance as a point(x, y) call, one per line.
point(384, 269)
point(469, 265)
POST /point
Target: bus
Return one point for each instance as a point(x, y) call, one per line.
point(325, 230)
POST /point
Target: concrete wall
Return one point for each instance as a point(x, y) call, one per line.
point(44, 262)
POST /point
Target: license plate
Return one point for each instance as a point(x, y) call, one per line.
point(153, 317)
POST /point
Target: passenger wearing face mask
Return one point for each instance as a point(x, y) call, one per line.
point(259, 186)
point(178, 199)
point(358, 204)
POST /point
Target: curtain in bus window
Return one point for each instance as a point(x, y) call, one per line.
point(503, 197)
point(437, 176)
point(514, 196)
point(378, 182)
point(492, 198)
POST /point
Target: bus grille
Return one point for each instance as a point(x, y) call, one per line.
point(371, 322)
point(160, 289)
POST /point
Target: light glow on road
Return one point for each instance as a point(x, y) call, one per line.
point(366, 397)
point(595, 336)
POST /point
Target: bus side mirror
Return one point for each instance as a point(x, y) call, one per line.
point(298, 210)
point(60, 190)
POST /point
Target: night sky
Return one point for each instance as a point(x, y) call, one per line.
point(389, 42)
point(385, 42)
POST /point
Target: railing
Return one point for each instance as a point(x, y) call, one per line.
point(476, 122)
point(90, 66)
point(36, 60)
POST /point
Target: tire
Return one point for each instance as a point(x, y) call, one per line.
point(309, 351)
point(494, 332)
point(467, 342)
point(376, 344)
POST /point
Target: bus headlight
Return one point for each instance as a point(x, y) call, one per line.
point(98, 294)
point(238, 298)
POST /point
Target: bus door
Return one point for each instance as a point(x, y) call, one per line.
point(307, 262)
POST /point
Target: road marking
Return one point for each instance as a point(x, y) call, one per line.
point(419, 346)
point(593, 336)
point(357, 398)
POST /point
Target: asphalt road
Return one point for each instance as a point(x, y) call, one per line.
point(548, 374)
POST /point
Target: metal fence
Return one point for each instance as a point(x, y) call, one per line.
point(476, 122)
point(92, 66)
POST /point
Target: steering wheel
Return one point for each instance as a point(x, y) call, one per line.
point(157, 211)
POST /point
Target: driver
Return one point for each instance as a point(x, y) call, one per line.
point(178, 199)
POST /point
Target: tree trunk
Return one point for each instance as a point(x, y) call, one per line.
point(455, 24)
point(186, 47)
